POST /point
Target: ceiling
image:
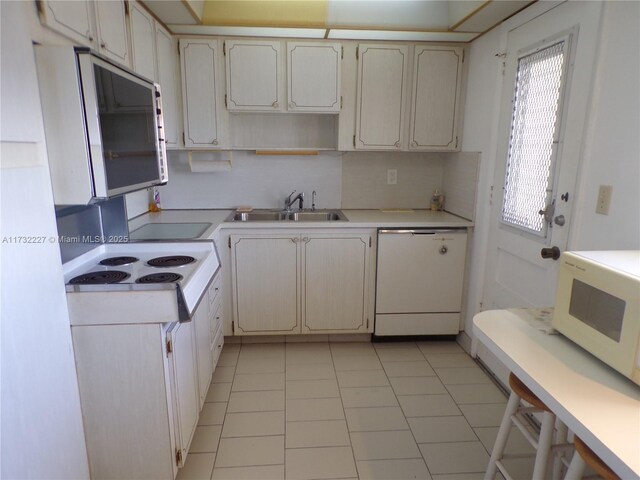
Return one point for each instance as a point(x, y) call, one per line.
point(409, 20)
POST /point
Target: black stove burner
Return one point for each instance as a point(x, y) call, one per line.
point(171, 261)
point(118, 261)
point(165, 277)
point(98, 278)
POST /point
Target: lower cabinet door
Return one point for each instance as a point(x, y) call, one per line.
point(265, 284)
point(182, 363)
point(203, 341)
point(335, 278)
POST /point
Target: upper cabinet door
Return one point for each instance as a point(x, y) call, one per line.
point(112, 31)
point(314, 76)
point(254, 73)
point(199, 63)
point(142, 41)
point(437, 73)
point(382, 72)
point(70, 18)
point(168, 78)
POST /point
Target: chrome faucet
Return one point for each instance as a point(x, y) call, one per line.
point(289, 202)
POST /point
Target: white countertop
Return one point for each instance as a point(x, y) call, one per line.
point(597, 403)
point(356, 219)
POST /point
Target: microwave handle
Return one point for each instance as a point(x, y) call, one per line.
point(161, 143)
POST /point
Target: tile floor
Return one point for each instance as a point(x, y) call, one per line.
point(415, 410)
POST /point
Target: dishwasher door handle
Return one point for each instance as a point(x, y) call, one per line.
point(421, 232)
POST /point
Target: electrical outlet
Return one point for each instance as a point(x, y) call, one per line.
point(604, 199)
point(392, 177)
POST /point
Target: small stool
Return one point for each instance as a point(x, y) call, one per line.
point(584, 457)
point(543, 444)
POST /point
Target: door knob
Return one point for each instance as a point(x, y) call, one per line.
point(559, 220)
point(553, 252)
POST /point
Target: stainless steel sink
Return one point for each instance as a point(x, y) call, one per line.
point(279, 216)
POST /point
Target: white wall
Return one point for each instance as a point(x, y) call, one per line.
point(610, 152)
point(42, 434)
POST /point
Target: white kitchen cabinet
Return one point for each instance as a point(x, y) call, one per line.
point(199, 66)
point(168, 75)
point(99, 25)
point(137, 386)
point(437, 75)
point(266, 283)
point(314, 76)
point(184, 388)
point(381, 96)
point(335, 283)
point(291, 283)
point(143, 34)
point(202, 331)
point(112, 31)
point(254, 72)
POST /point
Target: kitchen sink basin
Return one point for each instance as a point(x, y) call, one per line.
point(279, 216)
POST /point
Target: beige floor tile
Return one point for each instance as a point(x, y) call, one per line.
point(343, 364)
point(254, 365)
point(263, 472)
point(368, 378)
point(218, 392)
point(313, 353)
point(400, 469)
point(441, 429)
point(256, 401)
point(428, 405)
point(368, 397)
point(484, 393)
point(417, 385)
point(455, 457)
point(375, 419)
point(516, 443)
point(484, 415)
point(440, 347)
point(303, 347)
point(412, 354)
point(462, 375)
point(314, 409)
point(263, 339)
point(311, 338)
point(212, 414)
point(384, 345)
point(262, 352)
point(352, 349)
point(248, 451)
point(197, 467)
point(254, 424)
point(313, 371)
point(384, 445)
point(320, 463)
point(232, 344)
point(223, 375)
point(227, 359)
point(205, 439)
point(328, 433)
point(461, 476)
point(312, 389)
point(450, 360)
point(258, 381)
point(409, 369)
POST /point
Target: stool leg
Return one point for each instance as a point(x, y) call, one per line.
point(544, 446)
point(561, 438)
point(576, 468)
point(503, 435)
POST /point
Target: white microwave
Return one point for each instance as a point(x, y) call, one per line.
point(598, 306)
point(103, 126)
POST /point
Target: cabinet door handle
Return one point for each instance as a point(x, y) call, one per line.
point(443, 250)
point(397, 144)
point(215, 142)
point(103, 45)
point(414, 144)
point(274, 104)
point(295, 240)
point(305, 239)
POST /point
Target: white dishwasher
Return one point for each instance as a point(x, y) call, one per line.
point(419, 281)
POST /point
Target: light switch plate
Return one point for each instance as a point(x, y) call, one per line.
point(392, 177)
point(604, 199)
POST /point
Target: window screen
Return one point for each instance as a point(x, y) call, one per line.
point(529, 171)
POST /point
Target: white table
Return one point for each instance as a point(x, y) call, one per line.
point(600, 405)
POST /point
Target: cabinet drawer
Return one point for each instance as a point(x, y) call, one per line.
point(214, 292)
point(216, 347)
point(418, 324)
point(215, 320)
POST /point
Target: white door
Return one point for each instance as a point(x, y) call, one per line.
point(254, 75)
point(335, 279)
point(112, 30)
point(142, 41)
point(550, 60)
point(168, 79)
point(437, 75)
point(382, 75)
point(314, 76)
